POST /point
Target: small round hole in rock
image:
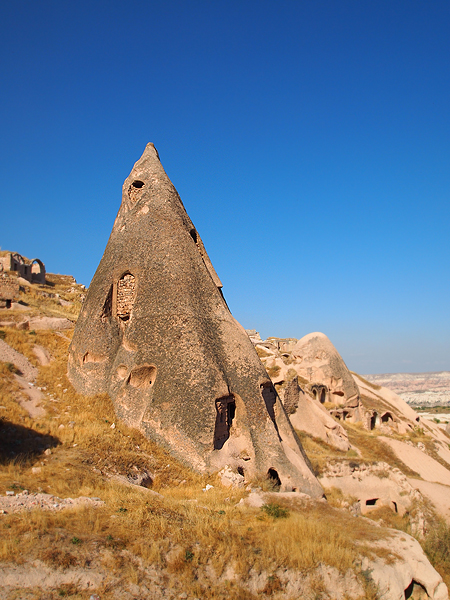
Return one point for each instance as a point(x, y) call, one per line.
point(138, 184)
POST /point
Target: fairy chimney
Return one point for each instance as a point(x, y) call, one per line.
point(156, 333)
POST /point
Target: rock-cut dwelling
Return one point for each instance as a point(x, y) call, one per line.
point(156, 333)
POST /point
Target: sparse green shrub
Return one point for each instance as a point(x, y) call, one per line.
point(275, 511)
point(13, 369)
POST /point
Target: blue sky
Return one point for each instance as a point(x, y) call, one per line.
point(309, 142)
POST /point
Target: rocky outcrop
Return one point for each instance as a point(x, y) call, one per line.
point(308, 415)
point(156, 333)
point(318, 361)
point(409, 576)
point(324, 378)
point(372, 486)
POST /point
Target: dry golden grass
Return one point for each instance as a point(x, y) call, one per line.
point(373, 449)
point(183, 532)
point(261, 352)
point(320, 453)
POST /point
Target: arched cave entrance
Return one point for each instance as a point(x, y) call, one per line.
point(274, 478)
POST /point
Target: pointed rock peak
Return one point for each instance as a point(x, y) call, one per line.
point(156, 334)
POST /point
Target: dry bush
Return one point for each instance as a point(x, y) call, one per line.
point(437, 548)
point(57, 558)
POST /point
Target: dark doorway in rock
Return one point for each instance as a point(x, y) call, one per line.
point(274, 478)
point(386, 417)
point(320, 392)
point(373, 420)
point(372, 502)
point(240, 470)
point(225, 413)
point(270, 397)
point(415, 591)
point(394, 506)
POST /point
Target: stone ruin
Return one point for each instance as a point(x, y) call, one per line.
point(9, 290)
point(32, 270)
point(156, 334)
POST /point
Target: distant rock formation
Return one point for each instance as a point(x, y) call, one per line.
point(418, 389)
point(156, 333)
point(319, 362)
point(310, 375)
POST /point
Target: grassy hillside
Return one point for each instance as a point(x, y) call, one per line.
point(171, 539)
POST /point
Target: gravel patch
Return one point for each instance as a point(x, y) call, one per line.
point(24, 501)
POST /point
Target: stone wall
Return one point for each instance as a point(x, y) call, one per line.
point(126, 293)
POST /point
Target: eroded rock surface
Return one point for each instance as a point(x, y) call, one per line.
point(156, 333)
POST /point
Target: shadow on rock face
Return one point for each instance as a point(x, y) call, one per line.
point(22, 443)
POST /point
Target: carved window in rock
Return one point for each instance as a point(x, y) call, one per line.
point(135, 190)
point(125, 296)
point(194, 236)
point(225, 413)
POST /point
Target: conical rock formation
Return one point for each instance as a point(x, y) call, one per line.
point(156, 334)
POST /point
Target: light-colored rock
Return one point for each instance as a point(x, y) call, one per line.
point(231, 478)
point(308, 415)
point(254, 499)
point(437, 493)
point(8, 354)
point(428, 468)
point(58, 323)
point(372, 486)
point(412, 567)
point(389, 398)
point(318, 361)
